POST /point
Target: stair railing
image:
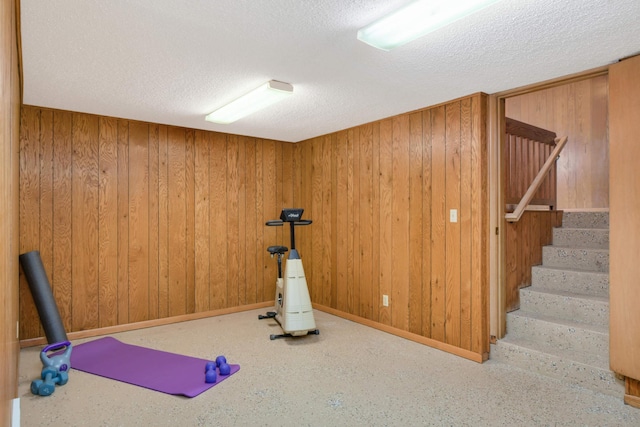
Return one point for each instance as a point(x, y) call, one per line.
point(528, 196)
point(530, 153)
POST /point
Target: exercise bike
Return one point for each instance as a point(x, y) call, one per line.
point(293, 310)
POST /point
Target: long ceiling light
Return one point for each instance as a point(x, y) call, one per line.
point(415, 20)
point(259, 98)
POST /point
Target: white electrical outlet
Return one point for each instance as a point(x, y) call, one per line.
point(453, 215)
point(385, 300)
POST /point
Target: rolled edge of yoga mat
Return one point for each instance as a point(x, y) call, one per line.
point(43, 297)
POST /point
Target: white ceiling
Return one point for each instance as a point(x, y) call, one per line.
point(173, 62)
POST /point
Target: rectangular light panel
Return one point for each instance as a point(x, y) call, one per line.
point(415, 20)
point(259, 98)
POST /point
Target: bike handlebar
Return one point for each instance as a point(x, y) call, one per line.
point(280, 223)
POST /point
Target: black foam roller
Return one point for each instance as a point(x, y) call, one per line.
point(43, 297)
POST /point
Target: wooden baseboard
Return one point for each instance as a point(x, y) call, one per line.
point(476, 357)
point(147, 324)
point(632, 392)
point(632, 400)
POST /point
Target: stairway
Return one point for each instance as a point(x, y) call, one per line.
point(562, 327)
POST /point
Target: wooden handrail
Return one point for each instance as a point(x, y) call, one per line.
point(525, 130)
point(526, 149)
point(517, 213)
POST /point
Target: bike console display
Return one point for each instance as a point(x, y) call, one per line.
point(291, 215)
point(294, 217)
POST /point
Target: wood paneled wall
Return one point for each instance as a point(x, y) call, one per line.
point(624, 270)
point(9, 161)
point(380, 196)
point(524, 240)
point(578, 110)
point(137, 221)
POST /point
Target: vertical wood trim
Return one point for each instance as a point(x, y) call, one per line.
point(416, 230)
point(480, 224)
point(46, 191)
point(287, 173)
point(233, 233)
point(495, 163)
point(427, 223)
point(84, 207)
point(190, 243)
point(138, 202)
point(314, 270)
point(342, 226)
point(365, 220)
point(123, 221)
point(326, 224)
point(163, 222)
point(399, 298)
point(250, 219)
point(201, 223)
point(305, 235)
point(354, 247)
point(511, 266)
point(218, 295)
point(386, 221)
point(270, 212)
point(62, 217)
point(10, 162)
point(259, 221)
point(376, 298)
point(334, 221)
point(241, 284)
point(29, 211)
point(466, 229)
point(154, 221)
point(452, 230)
point(108, 222)
point(438, 235)
point(176, 194)
point(351, 301)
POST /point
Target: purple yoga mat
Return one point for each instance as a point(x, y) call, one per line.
point(154, 369)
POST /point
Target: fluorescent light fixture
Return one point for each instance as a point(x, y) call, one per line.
point(417, 19)
point(259, 98)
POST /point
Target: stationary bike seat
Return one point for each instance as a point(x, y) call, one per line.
point(277, 249)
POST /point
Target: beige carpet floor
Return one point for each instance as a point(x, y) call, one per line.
point(349, 375)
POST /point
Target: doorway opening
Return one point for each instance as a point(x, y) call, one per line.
point(574, 106)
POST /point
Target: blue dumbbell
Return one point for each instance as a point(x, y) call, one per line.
point(55, 370)
point(47, 385)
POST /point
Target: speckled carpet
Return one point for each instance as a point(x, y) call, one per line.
point(349, 375)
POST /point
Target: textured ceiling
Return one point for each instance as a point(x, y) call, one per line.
point(173, 62)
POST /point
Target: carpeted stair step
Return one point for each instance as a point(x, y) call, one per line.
point(585, 220)
point(583, 309)
point(581, 282)
point(562, 327)
point(576, 258)
point(597, 238)
point(587, 344)
point(557, 364)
